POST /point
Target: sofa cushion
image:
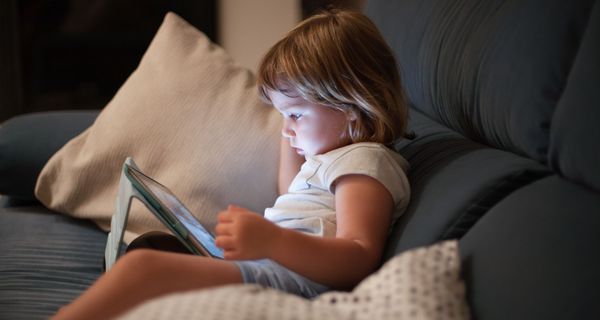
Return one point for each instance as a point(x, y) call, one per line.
point(189, 117)
point(574, 134)
point(46, 261)
point(535, 255)
point(454, 181)
point(492, 70)
point(28, 141)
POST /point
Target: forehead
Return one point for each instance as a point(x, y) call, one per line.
point(287, 98)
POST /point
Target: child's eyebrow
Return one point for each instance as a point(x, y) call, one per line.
point(288, 93)
point(287, 107)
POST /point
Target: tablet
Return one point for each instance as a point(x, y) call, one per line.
point(171, 212)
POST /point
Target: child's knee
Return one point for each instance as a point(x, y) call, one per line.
point(140, 262)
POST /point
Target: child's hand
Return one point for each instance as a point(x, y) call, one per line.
point(245, 235)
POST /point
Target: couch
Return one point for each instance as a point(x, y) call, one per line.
point(504, 103)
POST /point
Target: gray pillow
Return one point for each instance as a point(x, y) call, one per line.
point(28, 141)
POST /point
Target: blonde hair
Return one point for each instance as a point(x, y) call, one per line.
point(340, 59)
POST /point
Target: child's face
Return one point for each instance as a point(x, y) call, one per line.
point(311, 128)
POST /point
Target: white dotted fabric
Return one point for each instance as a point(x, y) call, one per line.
point(423, 283)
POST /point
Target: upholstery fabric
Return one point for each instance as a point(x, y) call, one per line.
point(190, 118)
point(28, 141)
point(454, 181)
point(542, 236)
point(46, 260)
point(575, 130)
point(492, 70)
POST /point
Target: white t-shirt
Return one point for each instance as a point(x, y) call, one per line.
point(309, 205)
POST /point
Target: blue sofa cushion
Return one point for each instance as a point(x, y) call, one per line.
point(575, 131)
point(492, 70)
point(28, 141)
point(48, 259)
point(454, 181)
point(535, 255)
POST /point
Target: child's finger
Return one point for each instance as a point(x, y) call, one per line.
point(233, 209)
point(231, 255)
point(222, 229)
point(225, 216)
point(225, 242)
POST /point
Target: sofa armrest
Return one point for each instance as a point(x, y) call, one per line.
point(28, 141)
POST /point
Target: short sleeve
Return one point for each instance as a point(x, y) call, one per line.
point(375, 161)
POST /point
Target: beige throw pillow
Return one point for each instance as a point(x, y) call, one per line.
point(191, 118)
point(423, 283)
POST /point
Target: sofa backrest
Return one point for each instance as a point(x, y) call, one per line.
point(489, 75)
point(492, 70)
point(575, 129)
point(505, 99)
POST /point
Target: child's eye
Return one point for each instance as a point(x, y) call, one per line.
point(295, 116)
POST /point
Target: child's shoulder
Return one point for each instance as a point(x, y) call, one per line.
point(360, 147)
point(362, 154)
point(366, 150)
point(370, 159)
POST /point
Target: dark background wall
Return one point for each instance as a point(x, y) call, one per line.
point(75, 54)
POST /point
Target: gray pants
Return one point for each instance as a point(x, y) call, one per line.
point(269, 273)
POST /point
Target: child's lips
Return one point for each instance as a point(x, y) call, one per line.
point(298, 150)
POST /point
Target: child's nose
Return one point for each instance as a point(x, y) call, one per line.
point(286, 131)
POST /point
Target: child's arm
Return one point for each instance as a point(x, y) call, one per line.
point(363, 208)
point(289, 165)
